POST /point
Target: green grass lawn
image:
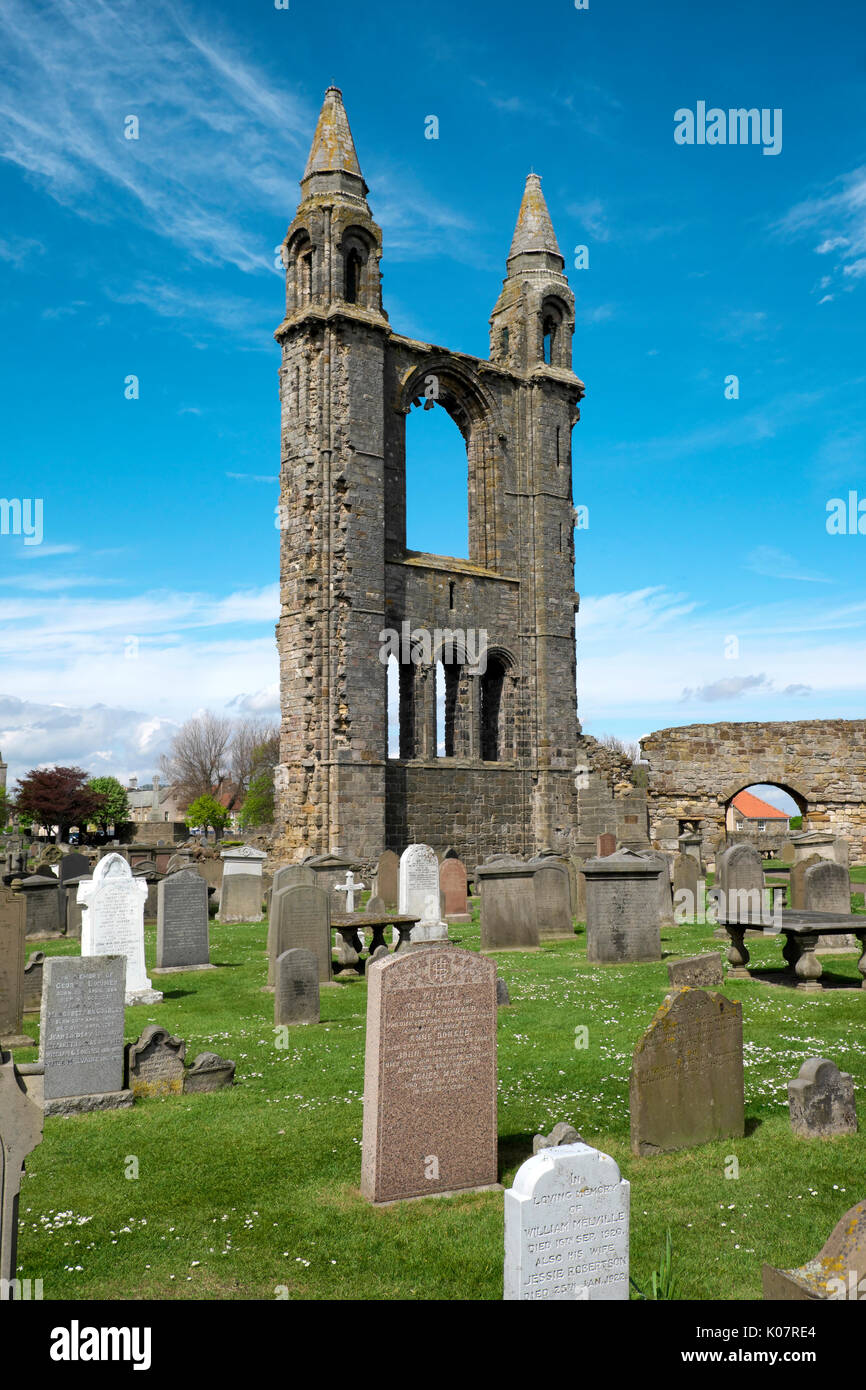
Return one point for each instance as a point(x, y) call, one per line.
point(246, 1191)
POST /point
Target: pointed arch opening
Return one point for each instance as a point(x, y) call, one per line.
point(437, 517)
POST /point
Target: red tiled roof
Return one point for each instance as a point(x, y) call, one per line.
point(755, 809)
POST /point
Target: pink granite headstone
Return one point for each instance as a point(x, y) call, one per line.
point(452, 882)
point(430, 1074)
point(605, 845)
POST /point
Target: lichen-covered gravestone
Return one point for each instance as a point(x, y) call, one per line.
point(296, 994)
point(686, 1084)
point(113, 923)
point(20, 1132)
point(838, 1271)
point(154, 1064)
point(81, 1034)
point(182, 940)
point(821, 1100)
point(566, 1227)
point(430, 1075)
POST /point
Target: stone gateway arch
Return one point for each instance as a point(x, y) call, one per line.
point(694, 771)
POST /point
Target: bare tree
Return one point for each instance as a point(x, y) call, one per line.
point(199, 760)
point(618, 745)
point(255, 747)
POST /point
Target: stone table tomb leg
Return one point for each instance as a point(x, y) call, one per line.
point(738, 953)
point(808, 967)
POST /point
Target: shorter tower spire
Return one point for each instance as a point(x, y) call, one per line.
point(533, 319)
point(534, 234)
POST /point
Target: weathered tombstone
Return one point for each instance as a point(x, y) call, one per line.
point(42, 897)
point(797, 890)
point(113, 923)
point(622, 912)
point(81, 1034)
point(837, 1271)
point(787, 852)
point(242, 891)
point(209, 1072)
point(502, 995)
point(149, 874)
point(686, 1083)
point(820, 842)
point(331, 869)
point(566, 1227)
point(579, 882)
point(296, 995)
point(740, 876)
point(20, 1132)
point(73, 866)
point(388, 879)
point(605, 844)
point(375, 906)
point(33, 982)
point(827, 888)
point(380, 953)
point(71, 910)
point(696, 972)
point(293, 876)
point(430, 1075)
point(182, 941)
point(687, 876)
point(665, 898)
point(690, 843)
point(300, 919)
point(419, 893)
point(508, 911)
point(563, 1133)
point(452, 882)
point(154, 1064)
point(821, 1100)
point(552, 899)
point(12, 928)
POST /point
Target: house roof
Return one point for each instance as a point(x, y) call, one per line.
point(756, 809)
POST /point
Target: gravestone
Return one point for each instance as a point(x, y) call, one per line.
point(331, 869)
point(42, 897)
point(563, 1133)
point(687, 876)
point(509, 919)
point(622, 908)
point(209, 1072)
point(740, 876)
point(33, 982)
point(552, 899)
point(604, 845)
point(388, 879)
point(567, 1227)
point(71, 910)
point(797, 890)
point(827, 888)
point(242, 891)
point(182, 941)
point(73, 866)
point(821, 1100)
point(293, 876)
point(837, 1272)
point(787, 852)
point(296, 996)
point(113, 923)
point(452, 882)
point(686, 1083)
point(502, 995)
point(430, 1075)
point(300, 919)
point(698, 972)
point(579, 878)
point(419, 893)
point(154, 1064)
point(20, 1132)
point(81, 1033)
point(13, 915)
point(375, 906)
point(690, 843)
point(665, 898)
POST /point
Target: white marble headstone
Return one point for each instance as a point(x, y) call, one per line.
point(112, 922)
point(566, 1227)
point(419, 892)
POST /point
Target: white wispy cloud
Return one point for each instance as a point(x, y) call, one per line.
point(837, 215)
point(777, 564)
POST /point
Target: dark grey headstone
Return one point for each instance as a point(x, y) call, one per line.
point(300, 917)
point(821, 1100)
point(73, 866)
point(293, 876)
point(182, 921)
point(81, 1033)
point(296, 996)
point(12, 927)
point(622, 908)
point(502, 995)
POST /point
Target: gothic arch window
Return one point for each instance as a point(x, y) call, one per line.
point(554, 347)
point(303, 262)
point(354, 269)
point(355, 249)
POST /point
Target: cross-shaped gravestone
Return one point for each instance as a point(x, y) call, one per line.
point(350, 888)
point(20, 1132)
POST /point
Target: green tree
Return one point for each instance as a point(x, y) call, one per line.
point(795, 823)
point(258, 807)
point(207, 812)
point(114, 804)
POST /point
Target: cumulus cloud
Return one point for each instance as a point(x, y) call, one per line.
point(727, 689)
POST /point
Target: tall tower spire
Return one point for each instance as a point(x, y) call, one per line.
point(333, 160)
point(533, 320)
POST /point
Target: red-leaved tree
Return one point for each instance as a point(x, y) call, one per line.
point(57, 796)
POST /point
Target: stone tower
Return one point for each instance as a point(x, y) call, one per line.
point(505, 777)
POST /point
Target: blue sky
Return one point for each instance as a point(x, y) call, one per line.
point(154, 591)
